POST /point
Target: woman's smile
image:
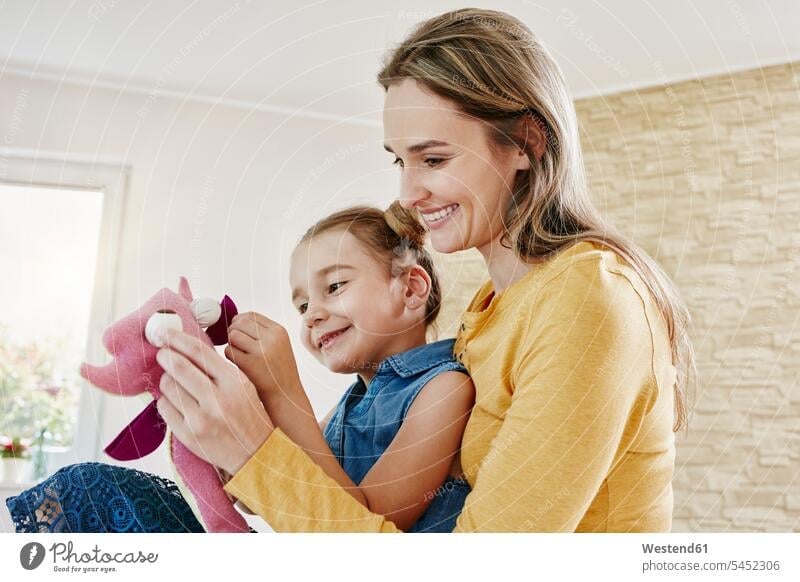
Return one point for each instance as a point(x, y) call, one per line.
point(437, 219)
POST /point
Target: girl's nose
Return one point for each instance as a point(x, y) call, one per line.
point(314, 314)
point(411, 189)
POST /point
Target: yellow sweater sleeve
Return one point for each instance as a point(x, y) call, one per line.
point(582, 383)
point(292, 493)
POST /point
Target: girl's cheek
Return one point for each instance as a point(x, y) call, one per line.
point(305, 339)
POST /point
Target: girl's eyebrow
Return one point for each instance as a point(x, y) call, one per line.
point(421, 146)
point(321, 273)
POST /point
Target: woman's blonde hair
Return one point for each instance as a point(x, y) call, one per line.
point(393, 237)
point(493, 69)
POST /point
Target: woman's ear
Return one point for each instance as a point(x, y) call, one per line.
point(534, 134)
point(521, 160)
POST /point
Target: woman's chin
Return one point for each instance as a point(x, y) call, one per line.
point(442, 243)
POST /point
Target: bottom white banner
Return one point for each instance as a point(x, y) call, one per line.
point(397, 557)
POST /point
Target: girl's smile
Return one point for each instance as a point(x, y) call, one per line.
point(329, 338)
point(354, 313)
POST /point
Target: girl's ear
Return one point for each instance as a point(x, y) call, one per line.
point(418, 287)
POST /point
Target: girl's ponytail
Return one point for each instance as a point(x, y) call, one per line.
point(412, 251)
point(405, 224)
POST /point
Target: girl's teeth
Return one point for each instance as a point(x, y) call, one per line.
point(329, 339)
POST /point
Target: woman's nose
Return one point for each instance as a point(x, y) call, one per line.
point(412, 190)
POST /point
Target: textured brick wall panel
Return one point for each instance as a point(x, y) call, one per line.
point(705, 176)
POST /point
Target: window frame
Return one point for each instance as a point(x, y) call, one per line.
point(34, 168)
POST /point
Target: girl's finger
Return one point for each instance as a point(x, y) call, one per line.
point(204, 357)
point(234, 354)
point(185, 374)
point(250, 327)
point(240, 340)
point(257, 318)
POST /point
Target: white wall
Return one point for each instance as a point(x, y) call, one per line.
point(217, 193)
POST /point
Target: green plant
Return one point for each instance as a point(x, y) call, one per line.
point(34, 393)
point(14, 450)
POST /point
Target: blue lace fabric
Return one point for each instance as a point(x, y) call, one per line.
point(101, 498)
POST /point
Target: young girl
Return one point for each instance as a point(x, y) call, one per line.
point(367, 292)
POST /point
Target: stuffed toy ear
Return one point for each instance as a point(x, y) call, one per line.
point(218, 332)
point(184, 290)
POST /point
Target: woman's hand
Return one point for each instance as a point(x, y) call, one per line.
point(210, 406)
point(261, 348)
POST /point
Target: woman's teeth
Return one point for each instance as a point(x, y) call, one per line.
point(440, 214)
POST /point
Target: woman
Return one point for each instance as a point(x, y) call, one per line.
point(577, 344)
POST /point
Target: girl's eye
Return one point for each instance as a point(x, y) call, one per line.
point(398, 162)
point(331, 288)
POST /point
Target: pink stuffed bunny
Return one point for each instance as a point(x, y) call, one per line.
point(134, 370)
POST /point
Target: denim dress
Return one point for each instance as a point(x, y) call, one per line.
point(368, 417)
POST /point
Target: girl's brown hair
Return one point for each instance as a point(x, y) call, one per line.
point(394, 237)
point(493, 69)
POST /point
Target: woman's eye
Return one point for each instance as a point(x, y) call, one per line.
point(398, 162)
point(302, 308)
point(433, 162)
point(332, 285)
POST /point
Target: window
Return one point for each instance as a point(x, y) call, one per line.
point(59, 225)
point(48, 242)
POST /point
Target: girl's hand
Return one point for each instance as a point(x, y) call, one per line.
point(261, 348)
point(210, 406)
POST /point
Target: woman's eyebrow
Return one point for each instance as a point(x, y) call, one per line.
point(321, 273)
point(421, 146)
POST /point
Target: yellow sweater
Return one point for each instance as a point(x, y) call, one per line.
point(572, 426)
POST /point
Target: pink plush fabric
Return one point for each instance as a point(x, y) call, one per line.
point(134, 370)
